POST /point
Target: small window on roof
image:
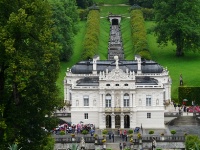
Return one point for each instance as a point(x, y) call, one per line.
point(116, 84)
point(107, 84)
point(126, 84)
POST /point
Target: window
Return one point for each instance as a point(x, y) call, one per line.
point(116, 84)
point(126, 84)
point(126, 100)
point(107, 84)
point(108, 100)
point(148, 115)
point(86, 100)
point(148, 100)
point(86, 115)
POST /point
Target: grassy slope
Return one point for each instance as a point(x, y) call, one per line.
point(126, 38)
point(74, 59)
point(187, 65)
point(103, 38)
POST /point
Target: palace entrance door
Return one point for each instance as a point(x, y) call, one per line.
point(126, 121)
point(117, 121)
point(108, 121)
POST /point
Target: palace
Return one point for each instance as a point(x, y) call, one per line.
point(117, 93)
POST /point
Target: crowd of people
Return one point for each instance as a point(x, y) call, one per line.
point(189, 109)
point(74, 128)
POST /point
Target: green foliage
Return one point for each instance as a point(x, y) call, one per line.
point(111, 2)
point(29, 66)
point(130, 131)
point(83, 14)
point(139, 34)
point(189, 93)
point(84, 3)
point(142, 3)
point(105, 131)
point(173, 132)
point(65, 16)
point(184, 33)
point(148, 14)
point(49, 144)
point(192, 142)
point(62, 132)
point(84, 132)
point(151, 132)
point(14, 147)
point(92, 35)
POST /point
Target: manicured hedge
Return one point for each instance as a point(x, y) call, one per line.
point(139, 36)
point(91, 39)
point(189, 93)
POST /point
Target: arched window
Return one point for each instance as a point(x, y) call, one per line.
point(108, 100)
point(126, 100)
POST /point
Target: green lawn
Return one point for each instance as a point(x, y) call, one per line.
point(126, 38)
point(119, 10)
point(103, 38)
point(78, 39)
point(188, 65)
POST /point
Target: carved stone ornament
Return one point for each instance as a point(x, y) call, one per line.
point(117, 74)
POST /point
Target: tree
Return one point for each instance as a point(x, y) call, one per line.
point(142, 3)
point(29, 67)
point(65, 16)
point(178, 22)
point(192, 142)
point(84, 3)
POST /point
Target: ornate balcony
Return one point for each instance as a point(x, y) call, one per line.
point(117, 109)
point(126, 109)
point(108, 109)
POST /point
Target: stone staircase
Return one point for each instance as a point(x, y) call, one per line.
point(185, 120)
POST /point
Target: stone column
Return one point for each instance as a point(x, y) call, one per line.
point(113, 121)
point(133, 99)
point(122, 101)
point(102, 120)
point(100, 101)
point(112, 101)
point(122, 120)
point(103, 101)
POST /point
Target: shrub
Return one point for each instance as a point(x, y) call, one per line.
point(84, 132)
point(62, 132)
point(105, 131)
point(173, 132)
point(139, 136)
point(130, 131)
point(151, 132)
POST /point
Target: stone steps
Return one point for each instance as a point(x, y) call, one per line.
point(185, 120)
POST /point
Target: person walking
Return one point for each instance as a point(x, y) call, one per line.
point(120, 146)
point(113, 137)
point(181, 80)
point(120, 133)
point(153, 144)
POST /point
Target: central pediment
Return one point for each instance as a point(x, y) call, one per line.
point(117, 75)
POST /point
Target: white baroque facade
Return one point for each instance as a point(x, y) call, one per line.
point(117, 93)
